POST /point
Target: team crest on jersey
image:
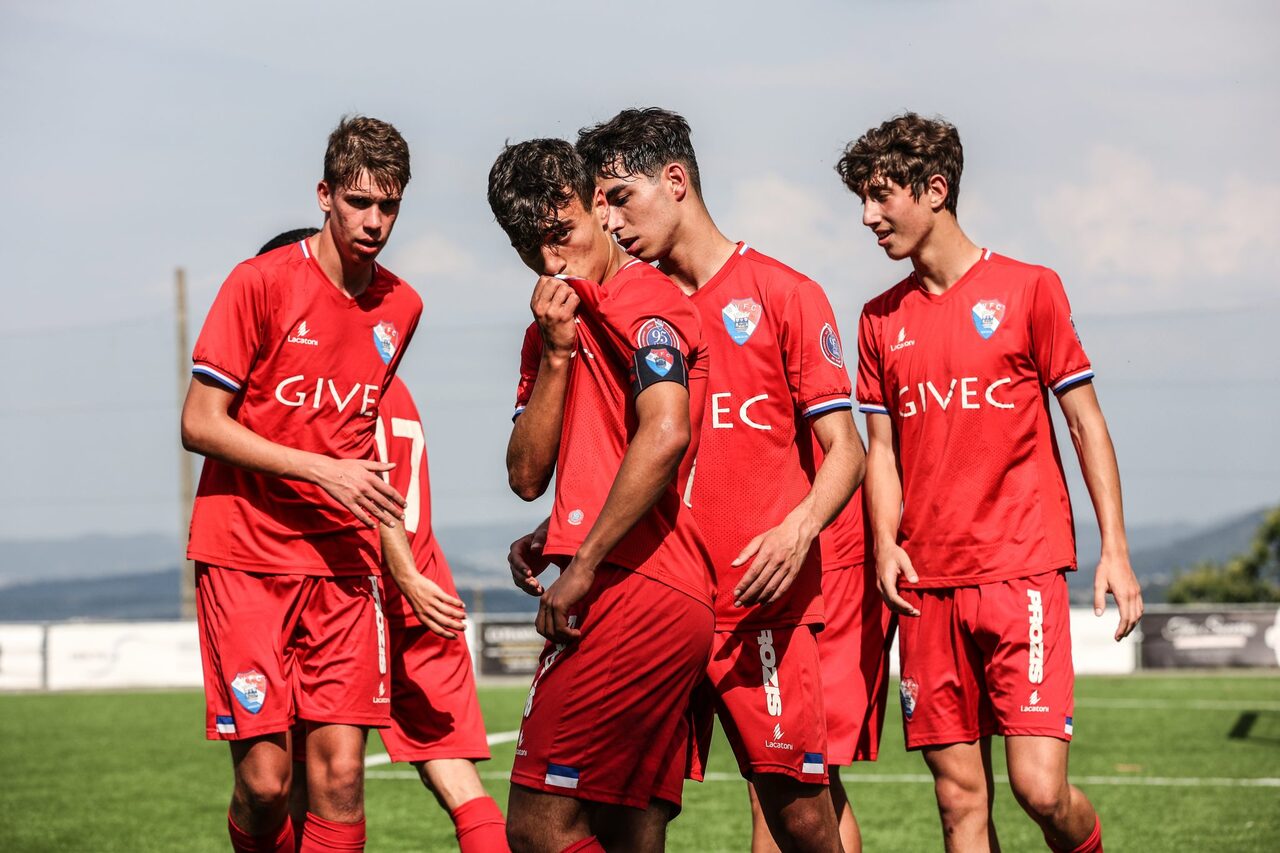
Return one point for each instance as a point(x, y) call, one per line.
point(656, 333)
point(741, 316)
point(908, 691)
point(385, 338)
point(987, 315)
point(250, 689)
point(659, 360)
point(830, 343)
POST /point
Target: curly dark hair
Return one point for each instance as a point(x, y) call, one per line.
point(908, 150)
point(639, 142)
point(529, 183)
point(363, 143)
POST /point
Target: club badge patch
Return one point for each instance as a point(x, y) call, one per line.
point(385, 339)
point(660, 360)
point(250, 689)
point(741, 316)
point(909, 691)
point(830, 343)
point(987, 315)
point(656, 333)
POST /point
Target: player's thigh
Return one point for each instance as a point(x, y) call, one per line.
point(538, 821)
point(768, 685)
point(341, 663)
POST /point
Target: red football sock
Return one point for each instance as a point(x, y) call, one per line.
point(480, 826)
point(1092, 844)
point(323, 836)
point(279, 841)
point(586, 845)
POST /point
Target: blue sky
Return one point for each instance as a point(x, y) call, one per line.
point(1129, 146)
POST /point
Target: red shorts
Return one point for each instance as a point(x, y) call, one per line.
point(607, 717)
point(989, 659)
point(766, 685)
point(434, 709)
point(281, 648)
point(853, 651)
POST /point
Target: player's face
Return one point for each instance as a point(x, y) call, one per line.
point(579, 245)
point(900, 221)
point(360, 217)
point(642, 215)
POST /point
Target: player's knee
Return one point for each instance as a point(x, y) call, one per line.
point(263, 791)
point(342, 782)
point(1045, 800)
point(525, 834)
point(959, 799)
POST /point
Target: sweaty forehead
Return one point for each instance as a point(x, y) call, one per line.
point(367, 185)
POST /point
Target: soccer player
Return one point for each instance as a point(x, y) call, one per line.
point(779, 397)
point(295, 353)
point(615, 411)
point(971, 521)
point(435, 714)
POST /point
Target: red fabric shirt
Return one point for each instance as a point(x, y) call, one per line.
point(308, 366)
point(964, 377)
point(638, 307)
point(402, 440)
point(776, 361)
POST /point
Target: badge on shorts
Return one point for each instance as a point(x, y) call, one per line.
point(909, 691)
point(250, 689)
point(741, 316)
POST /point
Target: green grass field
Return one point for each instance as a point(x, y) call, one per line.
point(1172, 763)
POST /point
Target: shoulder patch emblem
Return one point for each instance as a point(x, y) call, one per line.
point(741, 316)
point(656, 333)
point(987, 314)
point(830, 344)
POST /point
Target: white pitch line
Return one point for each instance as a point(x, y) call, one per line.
point(380, 759)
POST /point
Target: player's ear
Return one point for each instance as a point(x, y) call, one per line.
point(324, 197)
point(937, 190)
point(600, 207)
point(677, 180)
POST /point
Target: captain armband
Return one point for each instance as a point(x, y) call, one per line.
point(653, 364)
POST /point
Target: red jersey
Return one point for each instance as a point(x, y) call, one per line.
point(964, 378)
point(638, 308)
point(776, 361)
point(308, 365)
point(401, 439)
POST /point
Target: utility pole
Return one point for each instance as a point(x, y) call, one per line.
point(186, 479)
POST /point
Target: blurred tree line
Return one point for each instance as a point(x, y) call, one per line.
point(1250, 577)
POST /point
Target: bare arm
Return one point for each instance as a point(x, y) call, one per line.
point(780, 552)
point(883, 496)
point(662, 436)
point(440, 612)
point(1101, 473)
point(209, 429)
point(535, 438)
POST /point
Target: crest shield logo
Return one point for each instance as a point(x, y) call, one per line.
point(385, 339)
point(830, 343)
point(660, 361)
point(987, 314)
point(656, 333)
point(741, 316)
point(910, 692)
point(250, 689)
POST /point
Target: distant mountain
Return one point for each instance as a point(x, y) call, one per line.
point(136, 577)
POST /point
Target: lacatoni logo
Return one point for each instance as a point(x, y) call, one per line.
point(298, 391)
point(1035, 638)
point(300, 336)
point(385, 338)
point(973, 393)
point(769, 671)
point(987, 315)
point(1033, 705)
point(903, 342)
point(777, 742)
point(830, 343)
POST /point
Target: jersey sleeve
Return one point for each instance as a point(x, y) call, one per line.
point(1060, 359)
point(653, 327)
point(530, 358)
point(870, 390)
point(813, 353)
point(234, 329)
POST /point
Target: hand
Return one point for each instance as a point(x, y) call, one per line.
point(779, 555)
point(1115, 576)
point(526, 560)
point(892, 562)
point(553, 304)
point(438, 611)
point(554, 621)
point(355, 484)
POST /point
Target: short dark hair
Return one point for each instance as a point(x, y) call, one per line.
point(529, 183)
point(362, 143)
point(285, 238)
point(639, 142)
point(908, 150)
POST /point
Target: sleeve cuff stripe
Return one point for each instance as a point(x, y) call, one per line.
point(517, 412)
point(872, 409)
point(828, 406)
point(221, 378)
point(1075, 378)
